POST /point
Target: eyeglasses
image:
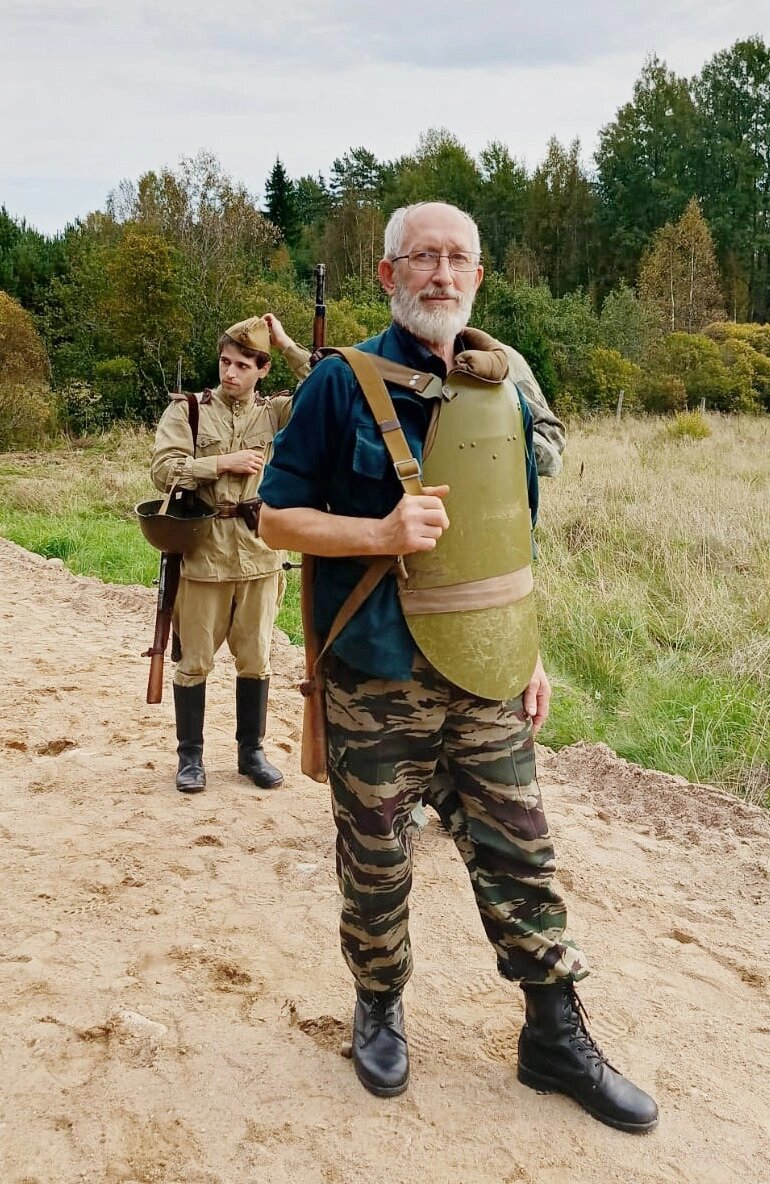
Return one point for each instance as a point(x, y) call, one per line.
point(429, 260)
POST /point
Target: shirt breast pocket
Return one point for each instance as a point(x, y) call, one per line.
point(370, 458)
point(259, 441)
point(207, 444)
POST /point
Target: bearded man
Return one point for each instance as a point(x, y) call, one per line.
point(435, 685)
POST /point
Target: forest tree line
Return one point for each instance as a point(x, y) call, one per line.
point(647, 273)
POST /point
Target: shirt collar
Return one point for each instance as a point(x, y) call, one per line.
point(229, 399)
point(417, 354)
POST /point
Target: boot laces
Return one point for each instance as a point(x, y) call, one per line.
point(580, 1037)
point(382, 1008)
point(383, 1012)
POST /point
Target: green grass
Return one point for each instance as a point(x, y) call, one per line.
point(112, 549)
point(290, 617)
point(652, 581)
point(105, 546)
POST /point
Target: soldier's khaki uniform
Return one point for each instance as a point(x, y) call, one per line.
point(548, 430)
point(232, 584)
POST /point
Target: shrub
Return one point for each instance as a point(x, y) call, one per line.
point(757, 336)
point(746, 350)
point(603, 374)
point(79, 409)
point(695, 360)
point(25, 413)
point(689, 425)
point(22, 354)
point(116, 381)
point(739, 357)
point(661, 393)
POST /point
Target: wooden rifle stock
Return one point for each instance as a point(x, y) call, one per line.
point(313, 761)
point(168, 581)
point(168, 585)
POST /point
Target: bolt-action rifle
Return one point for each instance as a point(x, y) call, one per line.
point(168, 583)
point(314, 716)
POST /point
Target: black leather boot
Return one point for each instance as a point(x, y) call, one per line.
point(251, 716)
point(557, 1054)
point(190, 708)
point(380, 1052)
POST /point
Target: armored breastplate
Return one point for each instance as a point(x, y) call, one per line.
point(469, 603)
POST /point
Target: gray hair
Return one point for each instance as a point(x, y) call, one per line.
point(395, 231)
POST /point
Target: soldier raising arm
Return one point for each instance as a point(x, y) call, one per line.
point(231, 584)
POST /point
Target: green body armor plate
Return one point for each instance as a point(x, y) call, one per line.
point(469, 603)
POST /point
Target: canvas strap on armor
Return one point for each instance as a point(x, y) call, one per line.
point(370, 371)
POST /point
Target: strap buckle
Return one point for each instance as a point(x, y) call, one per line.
point(409, 467)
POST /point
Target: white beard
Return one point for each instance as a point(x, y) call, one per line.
point(437, 326)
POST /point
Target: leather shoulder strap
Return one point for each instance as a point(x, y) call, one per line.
point(355, 598)
point(194, 410)
point(413, 380)
point(371, 371)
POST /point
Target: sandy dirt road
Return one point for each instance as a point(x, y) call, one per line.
point(173, 997)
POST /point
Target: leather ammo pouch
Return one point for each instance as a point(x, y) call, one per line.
point(247, 510)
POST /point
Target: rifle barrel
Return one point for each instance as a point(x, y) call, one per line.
point(319, 320)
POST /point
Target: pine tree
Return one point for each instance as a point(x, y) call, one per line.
point(281, 202)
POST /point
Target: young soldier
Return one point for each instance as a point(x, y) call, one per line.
point(444, 675)
point(231, 584)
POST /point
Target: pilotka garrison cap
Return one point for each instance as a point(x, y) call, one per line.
point(251, 334)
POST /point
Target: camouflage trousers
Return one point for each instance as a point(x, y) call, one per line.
point(391, 744)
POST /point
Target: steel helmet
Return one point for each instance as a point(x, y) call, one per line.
point(183, 527)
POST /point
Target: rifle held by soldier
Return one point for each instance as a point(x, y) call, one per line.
point(168, 585)
point(313, 761)
point(174, 525)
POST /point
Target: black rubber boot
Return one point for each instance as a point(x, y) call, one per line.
point(251, 717)
point(558, 1055)
point(190, 708)
point(380, 1051)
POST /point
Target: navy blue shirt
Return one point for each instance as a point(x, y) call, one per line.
point(331, 456)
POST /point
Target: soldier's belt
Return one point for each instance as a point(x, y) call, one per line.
point(248, 510)
point(494, 592)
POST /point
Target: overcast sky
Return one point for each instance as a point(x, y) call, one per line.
point(93, 92)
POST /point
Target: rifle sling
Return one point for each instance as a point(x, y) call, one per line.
point(350, 606)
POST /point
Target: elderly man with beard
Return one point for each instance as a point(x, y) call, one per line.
point(402, 721)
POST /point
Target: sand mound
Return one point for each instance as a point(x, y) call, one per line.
point(174, 1002)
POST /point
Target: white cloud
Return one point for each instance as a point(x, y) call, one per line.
point(94, 92)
